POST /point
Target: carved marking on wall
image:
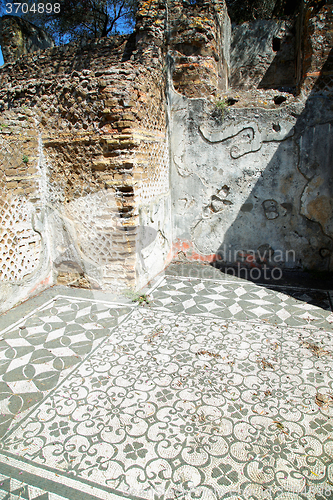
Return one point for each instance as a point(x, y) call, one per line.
point(218, 202)
point(271, 209)
point(181, 167)
point(247, 136)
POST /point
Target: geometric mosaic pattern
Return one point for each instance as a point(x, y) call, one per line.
point(94, 226)
point(153, 151)
point(11, 489)
point(173, 400)
point(244, 300)
point(37, 352)
point(20, 245)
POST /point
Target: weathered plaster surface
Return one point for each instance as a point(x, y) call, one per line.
point(240, 184)
point(316, 152)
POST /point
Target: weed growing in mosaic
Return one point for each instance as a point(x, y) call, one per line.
point(137, 297)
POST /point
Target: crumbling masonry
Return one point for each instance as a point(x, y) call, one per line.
point(187, 139)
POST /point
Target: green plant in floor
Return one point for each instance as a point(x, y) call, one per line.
point(137, 297)
point(142, 299)
point(25, 159)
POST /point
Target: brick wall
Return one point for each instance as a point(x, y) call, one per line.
point(196, 38)
point(316, 61)
point(83, 150)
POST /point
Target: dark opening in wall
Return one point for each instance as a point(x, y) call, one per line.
point(276, 44)
point(124, 190)
point(279, 99)
point(231, 101)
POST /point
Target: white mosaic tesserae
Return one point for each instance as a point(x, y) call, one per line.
point(207, 389)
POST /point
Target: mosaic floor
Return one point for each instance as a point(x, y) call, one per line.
point(215, 389)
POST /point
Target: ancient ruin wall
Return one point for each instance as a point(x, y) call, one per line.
point(263, 55)
point(316, 46)
point(193, 39)
point(84, 170)
point(242, 185)
point(85, 157)
point(19, 37)
point(252, 183)
point(199, 41)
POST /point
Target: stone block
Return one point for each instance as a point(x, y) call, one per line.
point(112, 144)
point(122, 137)
point(129, 143)
point(111, 103)
point(101, 164)
point(128, 116)
point(124, 124)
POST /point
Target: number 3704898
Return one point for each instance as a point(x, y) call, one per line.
point(38, 8)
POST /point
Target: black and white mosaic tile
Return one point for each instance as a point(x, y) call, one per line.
point(38, 351)
point(243, 301)
point(209, 391)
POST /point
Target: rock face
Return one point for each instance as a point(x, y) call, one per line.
point(263, 55)
point(19, 37)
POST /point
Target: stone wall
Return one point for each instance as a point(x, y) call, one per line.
point(24, 262)
point(19, 37)
point(196, 39)
point(84, 170)
point(263, 55)
point(91, 55)
point(316, 49)
point(253, 187)
point(252, 181)
point(199, 41)
point(84, 150)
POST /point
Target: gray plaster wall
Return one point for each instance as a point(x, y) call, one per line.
point(154, 239)
point(254, 182)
